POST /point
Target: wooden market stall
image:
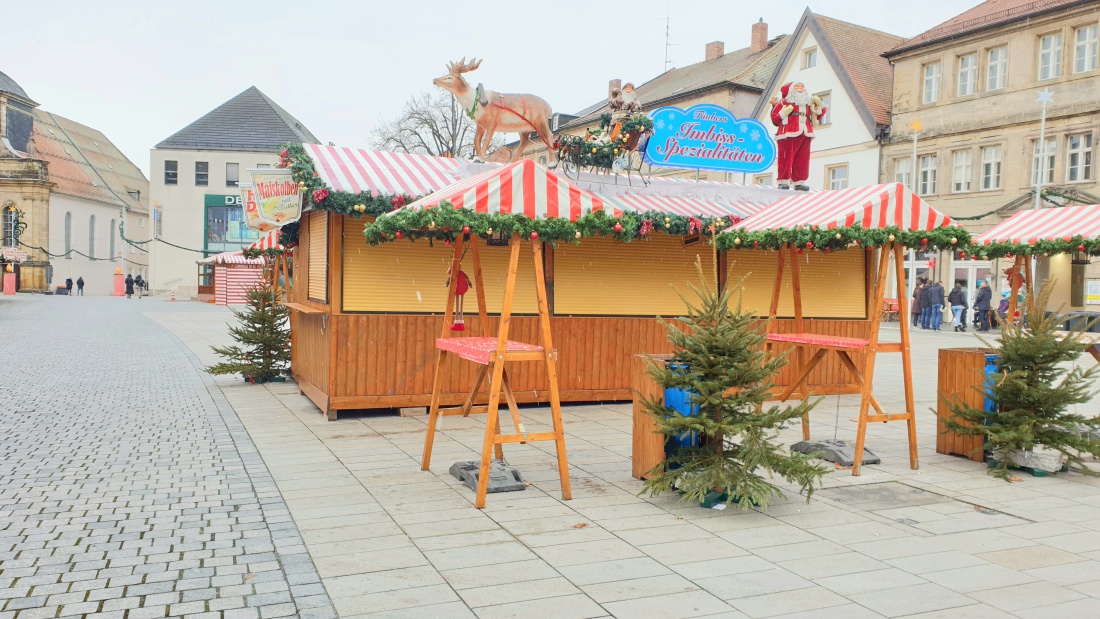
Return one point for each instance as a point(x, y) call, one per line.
point(365, 317)
point(1049, 233)
point(881, 218)
point(233, 274)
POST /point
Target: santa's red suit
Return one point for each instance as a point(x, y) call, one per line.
point(795, 130)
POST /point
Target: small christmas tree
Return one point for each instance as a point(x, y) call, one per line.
point(729, 376)
point(1031, 404)
point(263, 335)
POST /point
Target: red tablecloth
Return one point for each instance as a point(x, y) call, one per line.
point(478, 349)
point(814, 339)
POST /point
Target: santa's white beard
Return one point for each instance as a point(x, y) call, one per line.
point(798, 98)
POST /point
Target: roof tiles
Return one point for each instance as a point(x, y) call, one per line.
point(985, 15)
point(249, 122)
point(860, 50)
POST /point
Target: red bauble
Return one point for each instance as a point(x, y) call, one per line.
point(465, 229)
point(399, 235)
point(801, 251)
point(618, 227)
point(397, 201)
point(924, 241)
point(1080, 248)
point(446, 241)
point(534, 235)
point(756, 243)
point(809, 245)
point(962, 254)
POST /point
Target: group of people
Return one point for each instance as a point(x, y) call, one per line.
point(928, 301)
point(79, 286)
point(132, 283)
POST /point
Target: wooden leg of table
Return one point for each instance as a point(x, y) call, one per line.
point(1094, 350)
point(478, 381)
point(846, 359)
point(513, 406)
point(907, 365)
point(433, 411)
point(551, 371)
point(492, 422)
point(803, 374)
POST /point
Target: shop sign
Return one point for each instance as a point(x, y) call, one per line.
point(252, 220)
point(709, 137)
point(278, 199)
point(212, 199)
point(1093, 292)
point(11, 254)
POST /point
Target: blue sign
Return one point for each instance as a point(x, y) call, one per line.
point(708, 137)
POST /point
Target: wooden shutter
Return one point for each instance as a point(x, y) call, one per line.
point(405, 277)
point(601, 277)
point(833, 285)
point(317, 278)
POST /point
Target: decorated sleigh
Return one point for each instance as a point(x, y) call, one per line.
point(617, 146)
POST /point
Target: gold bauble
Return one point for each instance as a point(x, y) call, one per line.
point(577, 234)
point(737, 241)
point(954, 240)
point(891, 238)
point(838, 237)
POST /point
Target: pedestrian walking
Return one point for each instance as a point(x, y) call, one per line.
point(957, 301)
point(981, 306)
point(129, 286)
point(935, 318)
point(80, 285)
point(139, 283)
point(1002, 310)
point(69, 286)
point(926, 306)
point(915, 307)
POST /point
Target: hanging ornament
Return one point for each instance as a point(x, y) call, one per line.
point(618, 227)
point(694, 225)
point(319, 195)
point(431, 225)
point(647, 227)
point(398, 235)
point(962, 254)
point(839, 236)
point(534, 235)
point(737, 241)
point(891, 238)
point(801, 251)
point(924, 241)
point(446, 241)
point(397, 202)
point(462, 286)
point(954, 240)
point(809, 245)
point(577, 235)
point(465, 229)
point(1080, 248)
point(756, 243)
point(489, 231)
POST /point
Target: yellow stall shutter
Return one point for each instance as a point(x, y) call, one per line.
point(317, 277)
point(833, 285)
point(600, 277)
point(404, 277)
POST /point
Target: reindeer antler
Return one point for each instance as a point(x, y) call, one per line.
point(462, 66)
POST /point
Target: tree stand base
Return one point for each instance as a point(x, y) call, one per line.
point(831, 450)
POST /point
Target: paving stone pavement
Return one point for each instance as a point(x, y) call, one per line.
point(389, 540)
point(128, 486)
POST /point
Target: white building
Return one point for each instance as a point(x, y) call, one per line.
point(842, 64)
point(194, 185)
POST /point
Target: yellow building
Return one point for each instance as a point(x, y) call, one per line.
point(972, 83)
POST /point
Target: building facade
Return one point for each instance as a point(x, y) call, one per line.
point(196, 175)
point(842, 64)
point(972, 83)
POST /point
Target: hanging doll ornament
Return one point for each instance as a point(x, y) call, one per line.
point(461, 288)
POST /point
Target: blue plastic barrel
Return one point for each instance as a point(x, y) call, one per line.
point(990, 371)
point(679, 400)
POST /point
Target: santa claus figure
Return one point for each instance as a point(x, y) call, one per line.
point(794, 116)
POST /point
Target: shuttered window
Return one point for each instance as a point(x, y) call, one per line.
point(600, 277)
point(832, 285)
point(317, 277)
point(404, 277)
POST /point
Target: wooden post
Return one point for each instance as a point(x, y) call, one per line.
point(799, 327)
point(551, 372)
point(906, 357)
point(774, 310)
point(440, 356)
point(869, 357)
point(479, 287)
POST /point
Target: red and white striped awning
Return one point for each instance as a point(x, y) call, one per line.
point(676, 205)
point(874, 207)
point(267, 241)
point(1046, 224)
point(231, 257)
point(523, 187)
point(381, 172)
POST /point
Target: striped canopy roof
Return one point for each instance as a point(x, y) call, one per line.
point(267, 241)
point(676, 205)
point(874, 207)
point(231, 257)
point(1046, 224)
point(523, 187)
point(381, 172)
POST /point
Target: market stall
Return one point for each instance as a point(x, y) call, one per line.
point(1066, 237)
point(883, 219)
point(233, 275)
point(365, 317)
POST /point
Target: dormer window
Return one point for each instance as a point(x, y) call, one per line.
point(809, 58)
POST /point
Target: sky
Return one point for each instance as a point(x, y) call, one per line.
point(139, 71)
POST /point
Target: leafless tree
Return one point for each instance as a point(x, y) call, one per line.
point(432, 123)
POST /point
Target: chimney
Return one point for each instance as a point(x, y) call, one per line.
point(613, 85)
point(759, 36)
point(715, 50)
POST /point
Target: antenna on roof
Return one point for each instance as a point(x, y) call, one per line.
point(668, 37)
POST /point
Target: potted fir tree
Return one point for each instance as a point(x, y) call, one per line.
point(1035, 423)
point(263, 353)
point(719, 357)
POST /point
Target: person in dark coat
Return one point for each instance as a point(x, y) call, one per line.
point(80, 286)
point(915, 307)
point(129, 286)
point(140, 284)
point(69, 286)
point(957, 301)
point(981, 306)
point(936, 314)
point(926, 306)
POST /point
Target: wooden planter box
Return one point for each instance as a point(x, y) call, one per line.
point(961, 378)
point(648, 444)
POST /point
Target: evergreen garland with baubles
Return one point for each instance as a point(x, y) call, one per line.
point(263, 336)
point(730, 377)
point(1033, 393)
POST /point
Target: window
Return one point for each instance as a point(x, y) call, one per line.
point(826, 102)
point(997, 70)
point(763, 179)
point(542, 160)
point(1079, 158)
point(1084, 49)
point(171, 172)
point(931, 83)
point(927, 175)
point(112, 254)
point(991, 168)
point(68, 235)
point(1042, 164)
point(232, 174)
point(838, 176)
point(8, 239)
point(1050, 56)
point(263, 166)
point(809, 58)
point(202, 173)
point(91, 236)
point(903, 171)
point(961, 172)
point(968, 75)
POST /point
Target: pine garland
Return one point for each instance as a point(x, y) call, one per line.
point(829, 240)
point(1039, 248)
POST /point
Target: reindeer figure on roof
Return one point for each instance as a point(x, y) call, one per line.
point(494, 112)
